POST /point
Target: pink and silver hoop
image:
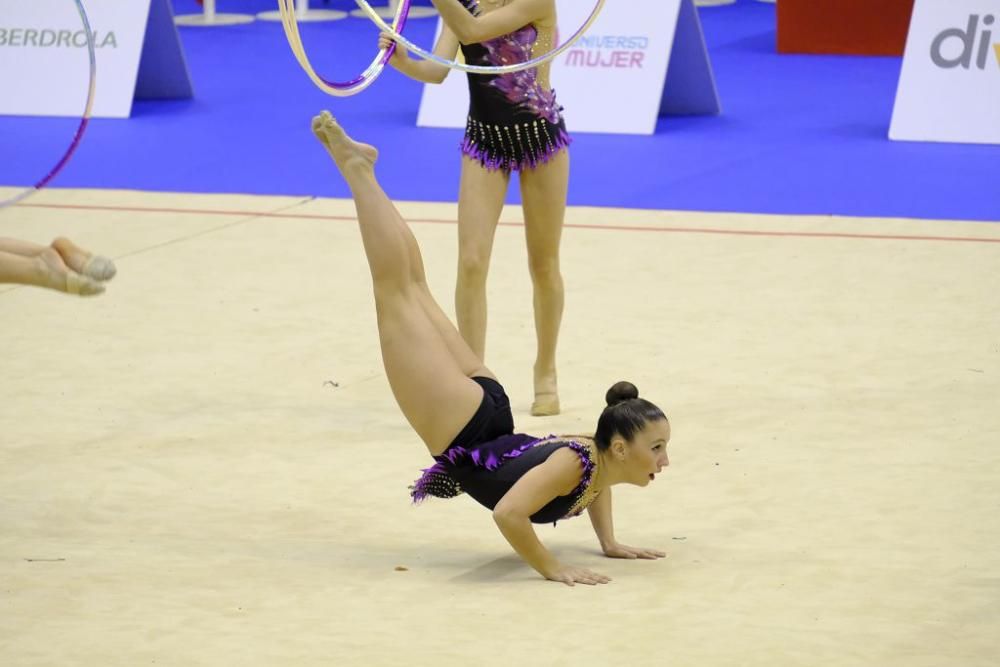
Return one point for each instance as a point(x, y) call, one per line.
point(482, 69)
point(338, 88)
point(395, 30)
point(84, 119)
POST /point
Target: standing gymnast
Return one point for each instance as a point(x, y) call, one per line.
point(461, 412)
point(514, 124)
point(60, 266)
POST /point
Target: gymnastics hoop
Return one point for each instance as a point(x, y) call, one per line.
point(339, 88)
point(78, 136)
point(481, 69)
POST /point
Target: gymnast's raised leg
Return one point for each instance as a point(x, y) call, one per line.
point(427, 363)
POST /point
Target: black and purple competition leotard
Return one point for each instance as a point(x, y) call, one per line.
point(487, 458)
point(514, 120)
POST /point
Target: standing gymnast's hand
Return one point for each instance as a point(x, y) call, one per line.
point(400, 55)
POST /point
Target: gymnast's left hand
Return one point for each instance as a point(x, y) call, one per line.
point(617, 550)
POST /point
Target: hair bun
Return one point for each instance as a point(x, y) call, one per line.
point(619, 392)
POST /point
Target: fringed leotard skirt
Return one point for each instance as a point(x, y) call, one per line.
point(487, 459)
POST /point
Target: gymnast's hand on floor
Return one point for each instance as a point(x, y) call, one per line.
point(617, 550)
point(571, 576)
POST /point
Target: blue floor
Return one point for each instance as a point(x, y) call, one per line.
point(798, 134)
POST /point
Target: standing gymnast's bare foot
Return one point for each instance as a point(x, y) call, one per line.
point(546, 401)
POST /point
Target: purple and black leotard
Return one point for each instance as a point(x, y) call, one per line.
point(514, 120)
point(487, 458)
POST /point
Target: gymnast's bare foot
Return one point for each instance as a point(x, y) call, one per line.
point(87, 264)
point(546, 393)
point(55, 274)
point(345, 151)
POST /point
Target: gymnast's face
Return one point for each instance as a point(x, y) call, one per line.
point(646, 455)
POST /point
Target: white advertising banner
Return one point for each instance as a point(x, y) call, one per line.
point(949, 88)
point(44, 65)
point(611, 80)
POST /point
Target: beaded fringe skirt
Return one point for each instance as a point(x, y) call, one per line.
point(514, 146)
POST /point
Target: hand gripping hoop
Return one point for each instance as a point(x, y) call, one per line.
point(358, 84)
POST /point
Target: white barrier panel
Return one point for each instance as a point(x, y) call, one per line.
point(612, 79)
point(44, 63)
point(949, 88)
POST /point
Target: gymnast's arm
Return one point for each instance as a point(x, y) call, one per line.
point(600, 518)
point(427, 71)
point(505, 20)
point(557, 476)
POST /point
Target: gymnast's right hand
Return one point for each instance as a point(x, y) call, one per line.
point(571, 576)
point(385, 40)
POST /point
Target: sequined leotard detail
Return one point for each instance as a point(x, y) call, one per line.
point(514, 119)
point(488, 470)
